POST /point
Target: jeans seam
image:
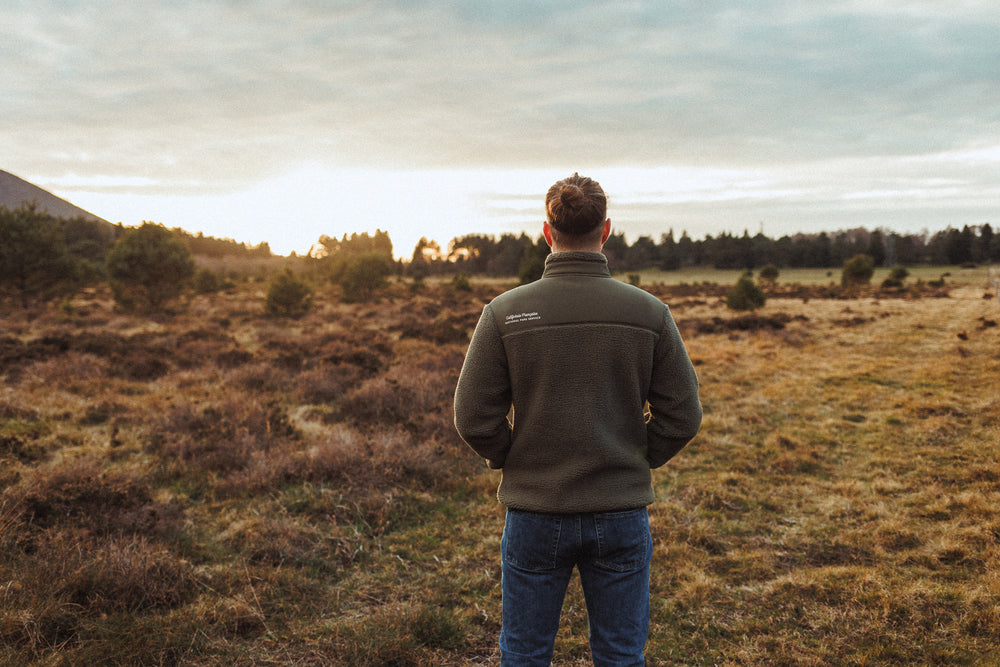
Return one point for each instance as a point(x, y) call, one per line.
point(556, 535)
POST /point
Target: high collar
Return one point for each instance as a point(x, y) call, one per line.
point(576, 262)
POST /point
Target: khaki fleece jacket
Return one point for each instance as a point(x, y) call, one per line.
point(577, 355)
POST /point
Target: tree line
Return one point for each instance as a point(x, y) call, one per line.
point(42, 256)
point(504, 255)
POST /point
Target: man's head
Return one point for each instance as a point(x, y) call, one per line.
point(576, 214)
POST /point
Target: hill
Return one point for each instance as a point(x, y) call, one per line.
point(14, 191)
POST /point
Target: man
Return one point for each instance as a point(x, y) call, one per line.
point(576, 386)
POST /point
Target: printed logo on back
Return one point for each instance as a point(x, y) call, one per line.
point(516, 318)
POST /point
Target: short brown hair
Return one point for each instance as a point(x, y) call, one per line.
point(576, 206)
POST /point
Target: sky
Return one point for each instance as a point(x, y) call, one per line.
point(282, 121)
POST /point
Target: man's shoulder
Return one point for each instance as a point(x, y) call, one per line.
point(514, 294)
point(639, 301)
point(559, 302)
point(517, 305)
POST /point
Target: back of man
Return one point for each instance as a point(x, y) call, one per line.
point(576, 386)
point(581, 349)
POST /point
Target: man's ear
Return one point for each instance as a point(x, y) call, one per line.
point(607, 231)
point(547, 232)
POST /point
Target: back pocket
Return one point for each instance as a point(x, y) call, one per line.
point(530, 541)
point(623, 540)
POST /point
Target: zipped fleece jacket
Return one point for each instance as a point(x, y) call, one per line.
point(576, 386)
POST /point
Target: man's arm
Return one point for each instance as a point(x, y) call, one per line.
point(675, 409)
point(483, 394)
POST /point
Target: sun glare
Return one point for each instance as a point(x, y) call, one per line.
point(293, 210)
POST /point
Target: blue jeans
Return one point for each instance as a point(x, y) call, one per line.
point(612, 551)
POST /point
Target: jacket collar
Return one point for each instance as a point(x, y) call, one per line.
point(576, 262)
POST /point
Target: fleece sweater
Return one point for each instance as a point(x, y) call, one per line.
point(576, 386)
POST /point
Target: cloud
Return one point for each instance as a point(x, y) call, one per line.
point(212, 98)
point(434, 83)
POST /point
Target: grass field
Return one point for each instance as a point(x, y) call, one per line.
point(217, 487)
point(697, 275)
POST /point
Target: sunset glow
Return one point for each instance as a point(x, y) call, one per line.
point(280, 123)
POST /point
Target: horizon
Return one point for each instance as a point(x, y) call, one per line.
point(280, 123)
point(511, 213)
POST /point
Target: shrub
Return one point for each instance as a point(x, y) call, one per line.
point(206, 282)
point(125, 573)
point(634, 279)
point(220, 438)
point(148, 267)
point(288, 296)
point(768, 275)
point(363, 275)
point(461, 282)
point(896, 277)
point(858, 270)
point(442, 329)
point(899, 273)
point(81, 495)
point(326, 383)
point(33, 258)
point(745, 295)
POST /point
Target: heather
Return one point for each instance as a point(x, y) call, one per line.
point(220, 485)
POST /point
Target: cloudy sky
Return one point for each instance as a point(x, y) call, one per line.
point(280, 121)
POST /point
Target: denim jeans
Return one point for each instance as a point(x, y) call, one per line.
point(612, 551)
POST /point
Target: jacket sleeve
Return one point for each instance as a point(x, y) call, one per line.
point(674, 406)
point(483, 394)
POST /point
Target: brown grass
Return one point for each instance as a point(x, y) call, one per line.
point(217, 487)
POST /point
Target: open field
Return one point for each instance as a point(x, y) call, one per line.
point(696, 275)
point(217, 487)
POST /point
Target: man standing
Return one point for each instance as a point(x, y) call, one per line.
point(576, 386)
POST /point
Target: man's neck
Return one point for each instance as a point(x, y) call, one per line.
point(556, 247)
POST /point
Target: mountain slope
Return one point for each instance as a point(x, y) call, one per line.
point(14, 191)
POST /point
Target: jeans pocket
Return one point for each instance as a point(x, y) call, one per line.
point(530, 541)
point(624, 543)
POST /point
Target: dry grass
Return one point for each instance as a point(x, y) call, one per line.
point(838, 506)
point(216, 487)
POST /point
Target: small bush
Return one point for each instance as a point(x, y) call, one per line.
point(442, 329)
point(148, 267)
point(127, 573)
point(461, 282)
point(288, 296)
point(206, 282)
point(326, 383)
point(363, 275)
point(768, 275)
point(80, 494)
point(857, 271)
point(896, 277)
point(138, 365)
point(745, 295)
point(220, 438)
